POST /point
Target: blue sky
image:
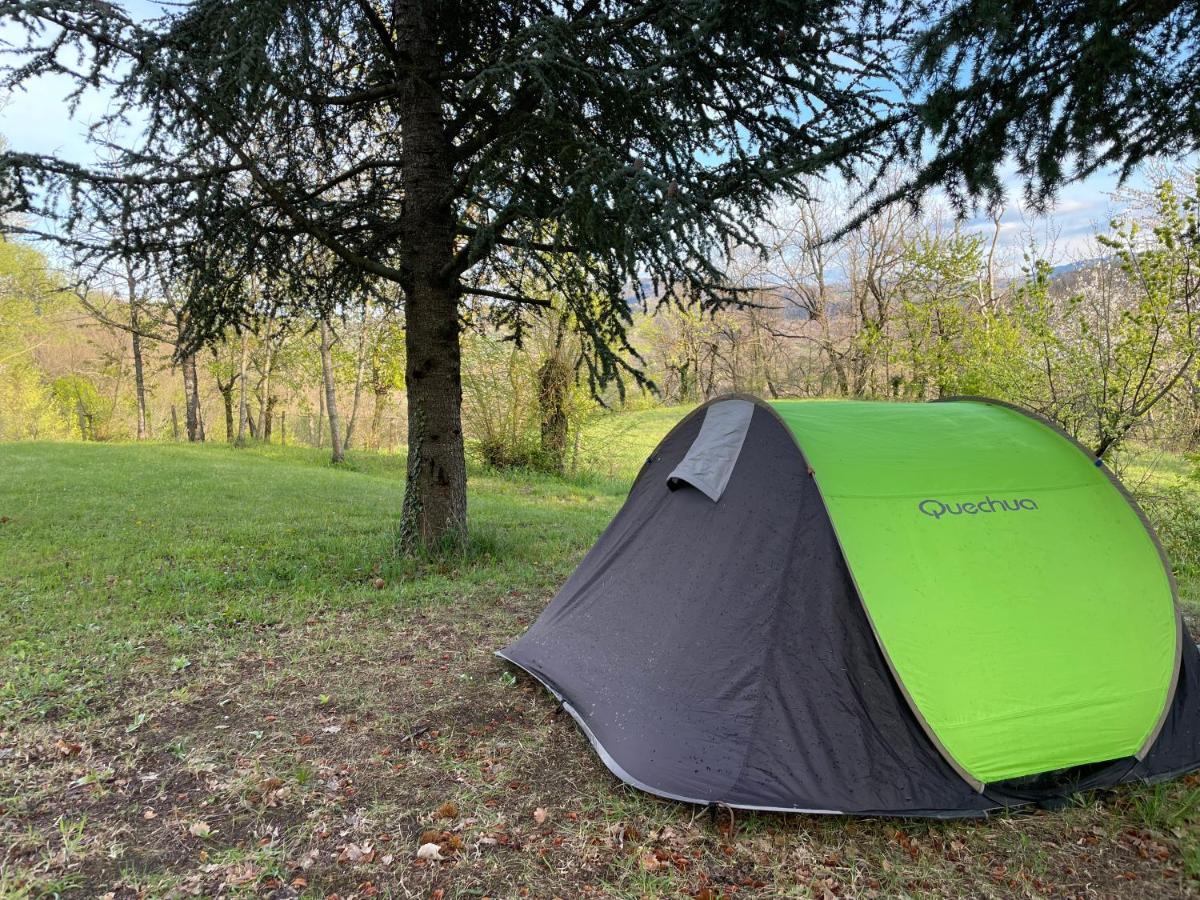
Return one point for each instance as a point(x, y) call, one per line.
point(37, 120)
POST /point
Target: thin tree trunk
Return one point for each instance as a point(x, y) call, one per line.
point(174, 423)
point(191, 393)
point(435, 494)
point(139, 372)
point(554, 381)
point(264, 386)
point(377, 416)
point(358, 378)
point(139, 375)
point(335, 437)
point(267, 421)
point(139, 378)
point(227, 398)
point(243, 403)
point(321, 416)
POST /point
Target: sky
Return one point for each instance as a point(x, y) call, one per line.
point(37, 120)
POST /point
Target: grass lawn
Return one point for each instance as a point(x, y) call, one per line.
point(216, 679)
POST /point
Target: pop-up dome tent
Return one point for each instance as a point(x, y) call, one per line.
point(875, 608)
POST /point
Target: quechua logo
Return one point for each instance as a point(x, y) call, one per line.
point(936, 509)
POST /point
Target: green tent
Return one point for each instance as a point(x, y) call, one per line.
point(842, 606)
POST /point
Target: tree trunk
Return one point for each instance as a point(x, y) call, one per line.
point(139, 372)
point(243, 403)
point(264, 386)
point(358, 378)
point(381, 396)
point(174, 423)
point(227, 397)
point(265, 431)
point(139, 377)
point(191, 393)
point(435, 494)
point(335, 426)
point(554, 380)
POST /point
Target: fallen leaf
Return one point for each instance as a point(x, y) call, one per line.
point(67, 748)
point(540, 814)
point(431, 852)
point(242, 874)
point(200, 830)
point(651, 863)
point(149, 814)
point(448, 810)
point(353, 853)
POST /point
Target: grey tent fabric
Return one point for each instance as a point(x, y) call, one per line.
point(710, 460)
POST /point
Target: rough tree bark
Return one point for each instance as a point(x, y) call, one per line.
point(335, 436)
point(435, 495)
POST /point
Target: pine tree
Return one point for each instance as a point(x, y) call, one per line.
point(460, 150)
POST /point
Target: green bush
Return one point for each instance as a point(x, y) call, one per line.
point(1175, 513)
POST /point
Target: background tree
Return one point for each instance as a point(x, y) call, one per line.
point(461, 149)
point(31, 309)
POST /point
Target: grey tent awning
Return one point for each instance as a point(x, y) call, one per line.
point(710, 460)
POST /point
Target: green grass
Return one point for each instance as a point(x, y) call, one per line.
point(194, 637)
point(108, 547)
point(616, 445)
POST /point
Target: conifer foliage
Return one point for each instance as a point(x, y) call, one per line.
point(1062, 88)
point(460, 150)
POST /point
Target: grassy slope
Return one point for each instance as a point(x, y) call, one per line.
point(197, 637)
point(124, 542)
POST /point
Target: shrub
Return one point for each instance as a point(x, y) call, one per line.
point(1175, 513)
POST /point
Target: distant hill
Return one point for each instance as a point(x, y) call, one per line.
point(1073, 267)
